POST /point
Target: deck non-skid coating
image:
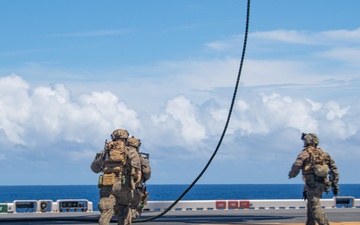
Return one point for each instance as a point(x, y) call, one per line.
point(338, 216)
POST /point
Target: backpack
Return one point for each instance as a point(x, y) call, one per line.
point(317, 161)
point(116, 156)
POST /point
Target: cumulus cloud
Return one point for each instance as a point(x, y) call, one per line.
point(54, 124)
point(14, 105)
point(261, 115)
point(334, 110)
point(45, 114)
point(182, 111)
point(183, 115)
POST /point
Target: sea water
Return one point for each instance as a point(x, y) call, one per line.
point(169, 192)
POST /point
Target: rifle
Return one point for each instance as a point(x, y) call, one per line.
point(104, 154)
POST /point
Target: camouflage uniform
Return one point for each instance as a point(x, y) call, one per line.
point(314, 185)
point(139, 201)
point(125, 195)
point(115, 198)
point(107, 200)
point(140, 194)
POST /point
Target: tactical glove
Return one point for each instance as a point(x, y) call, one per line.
point(304, 195)
point(98, 155)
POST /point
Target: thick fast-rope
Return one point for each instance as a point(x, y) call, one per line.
point(225, 127)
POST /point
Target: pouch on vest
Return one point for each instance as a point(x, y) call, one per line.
point(321, 170)
point(108, 179)
point(112, 167)
point(117, 155)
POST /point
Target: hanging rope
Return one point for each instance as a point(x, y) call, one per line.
point(225, 128)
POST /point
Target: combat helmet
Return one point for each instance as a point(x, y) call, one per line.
point(134, 142)
point(119, 134)
point(310, 139)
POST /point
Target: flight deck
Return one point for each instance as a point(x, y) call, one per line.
point(343, 210)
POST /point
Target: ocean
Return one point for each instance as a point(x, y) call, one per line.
point(170, 192)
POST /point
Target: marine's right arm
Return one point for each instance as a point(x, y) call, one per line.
point(294, 171)
point(97, 164)
point(298, 164)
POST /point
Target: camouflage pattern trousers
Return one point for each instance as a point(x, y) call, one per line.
point(115, 200)
point(314, 210)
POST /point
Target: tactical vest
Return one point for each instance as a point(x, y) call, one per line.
point(316, 163)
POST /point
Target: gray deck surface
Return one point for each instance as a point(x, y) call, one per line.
point(271, 216)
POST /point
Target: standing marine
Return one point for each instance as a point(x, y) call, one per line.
point(140, 193)
point(121, 173)
point(319, 173)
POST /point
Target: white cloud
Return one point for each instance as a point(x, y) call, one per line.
point(346, 54)
point(262, 72)
point(218, 45)
point(271, 112)
point(53, 114)
point(289, 36)
point(343, 35)
point(315, 106)
point(56, 123)
point(330, 37)
point(14, 105)
point(182, 112)
point(45, 114)
point(225, 45)
point(335, 110)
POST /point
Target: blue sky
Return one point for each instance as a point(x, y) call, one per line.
point(73, 71)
